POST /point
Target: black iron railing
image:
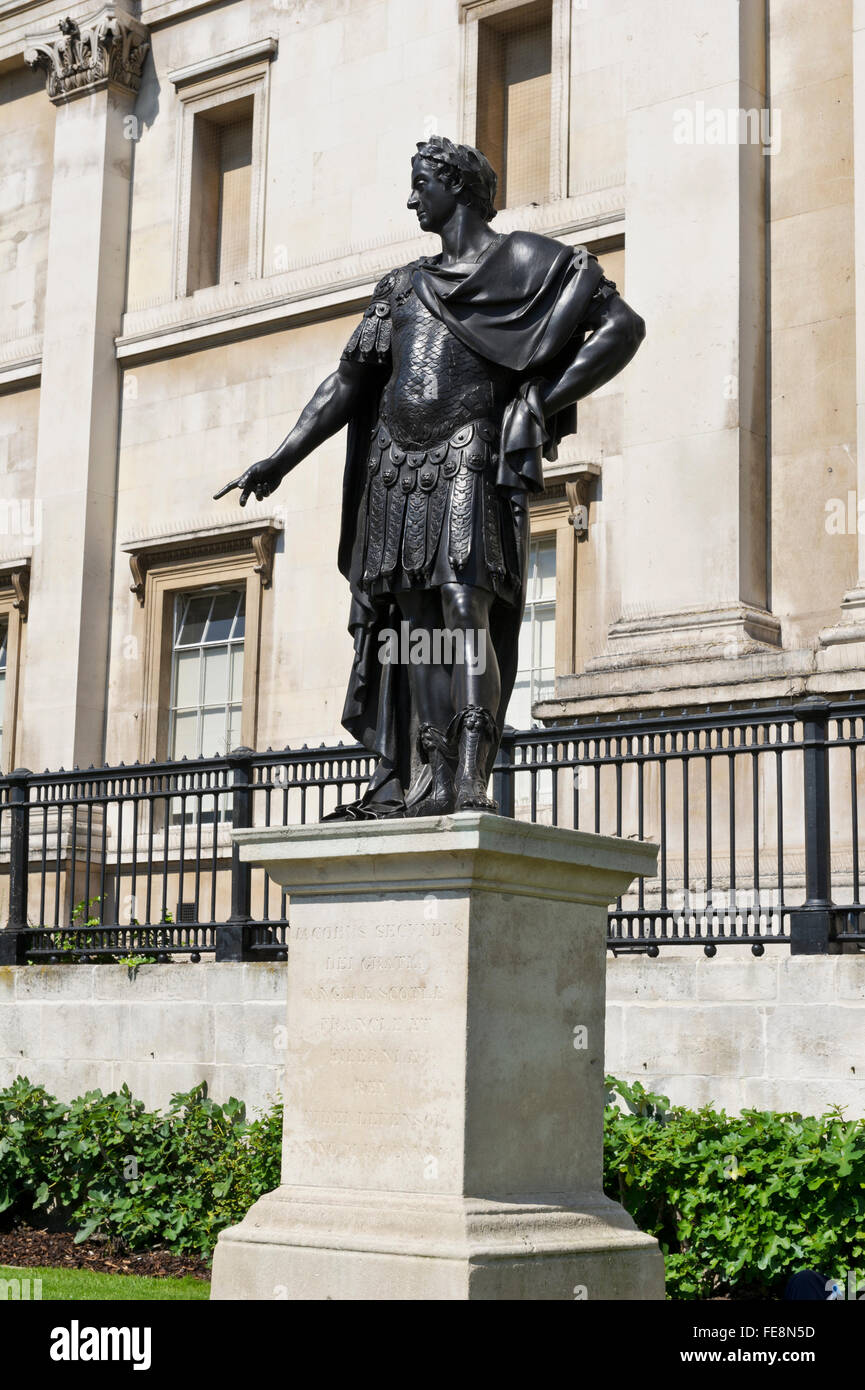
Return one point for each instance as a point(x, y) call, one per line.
point(756, 812)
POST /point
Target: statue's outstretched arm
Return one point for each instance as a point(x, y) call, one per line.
point(332, 406)
point(617, 333)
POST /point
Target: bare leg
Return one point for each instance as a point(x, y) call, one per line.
point(429, 682)
point(477, 688)
point(456, 692)
point(475, 680)
point(433, 792)
point(442, 688)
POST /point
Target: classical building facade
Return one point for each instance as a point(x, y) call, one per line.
point(195, 203)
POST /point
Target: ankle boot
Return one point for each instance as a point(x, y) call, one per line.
point(476, 731)
point(438, 754)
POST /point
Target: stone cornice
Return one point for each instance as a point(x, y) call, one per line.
point(15, 7)
point(155, 13)
point(692, 685)
point(20, 362)
point(328, 288)
point(262, 49)
point(483, 9)
point(31, 18)
point(312, 290)
point(203, 536)
point(108, 49)
point(472, 850)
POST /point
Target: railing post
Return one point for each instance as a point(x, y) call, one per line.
point(503, 780)
point(12, 938)
point(232, 939)
point(811, 924)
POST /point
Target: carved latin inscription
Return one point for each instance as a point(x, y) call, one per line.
point(368, 1019)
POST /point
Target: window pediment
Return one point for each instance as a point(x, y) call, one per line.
point(204, 537)
point(262, 50)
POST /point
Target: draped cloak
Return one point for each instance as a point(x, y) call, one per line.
point(522, 307)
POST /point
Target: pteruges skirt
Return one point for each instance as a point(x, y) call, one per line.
point(434, 516)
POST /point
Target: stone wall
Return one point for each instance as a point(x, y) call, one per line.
point(780, 1032)
point(776, 1033)
point(161, 1029)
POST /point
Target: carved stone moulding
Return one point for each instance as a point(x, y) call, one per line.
point(257, 534)
point(15, 575)
point(572, 480)
point(108, 49)
point(578, 490)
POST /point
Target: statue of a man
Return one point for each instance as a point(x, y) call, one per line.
point(464, 371)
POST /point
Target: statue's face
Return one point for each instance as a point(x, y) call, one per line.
point(430, 197)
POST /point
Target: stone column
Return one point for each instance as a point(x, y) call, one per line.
point(93, 72)
point(444, 1084)
point(851, 627)
point(693, 535)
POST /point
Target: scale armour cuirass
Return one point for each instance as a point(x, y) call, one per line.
point(430, 512)
point(437, 383)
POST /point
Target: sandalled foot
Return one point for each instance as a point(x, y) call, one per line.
point(438, 753)
point(475, 731)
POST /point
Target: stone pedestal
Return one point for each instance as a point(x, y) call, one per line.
point(444, 1068)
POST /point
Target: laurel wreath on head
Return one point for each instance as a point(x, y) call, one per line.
point(473, 167)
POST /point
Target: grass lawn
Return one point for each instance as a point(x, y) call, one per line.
point(60, 1285)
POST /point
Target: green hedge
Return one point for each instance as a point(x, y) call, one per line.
point(737, 1202)
point(106, 1165)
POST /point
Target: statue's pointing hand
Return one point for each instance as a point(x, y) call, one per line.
point(261, 478)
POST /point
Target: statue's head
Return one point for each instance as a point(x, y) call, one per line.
point(445, 174)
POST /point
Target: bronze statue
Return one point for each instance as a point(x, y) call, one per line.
point(465, 370)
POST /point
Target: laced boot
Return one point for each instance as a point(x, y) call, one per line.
point(476, 731)
point(437, 753)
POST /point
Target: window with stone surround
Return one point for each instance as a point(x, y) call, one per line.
point(207, 672)
point(200, 591)
point(547, 634)
point(206, 695)
point(536, 668)
point(515, 94)
point(219, 196)
point(14, 591)
point(4, 643)
point(221, 167)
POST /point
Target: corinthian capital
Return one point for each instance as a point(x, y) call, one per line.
point(107, 50)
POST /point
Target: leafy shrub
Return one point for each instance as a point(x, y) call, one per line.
point(738, 1203)
point(29, 1123)
point(107, 1166)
